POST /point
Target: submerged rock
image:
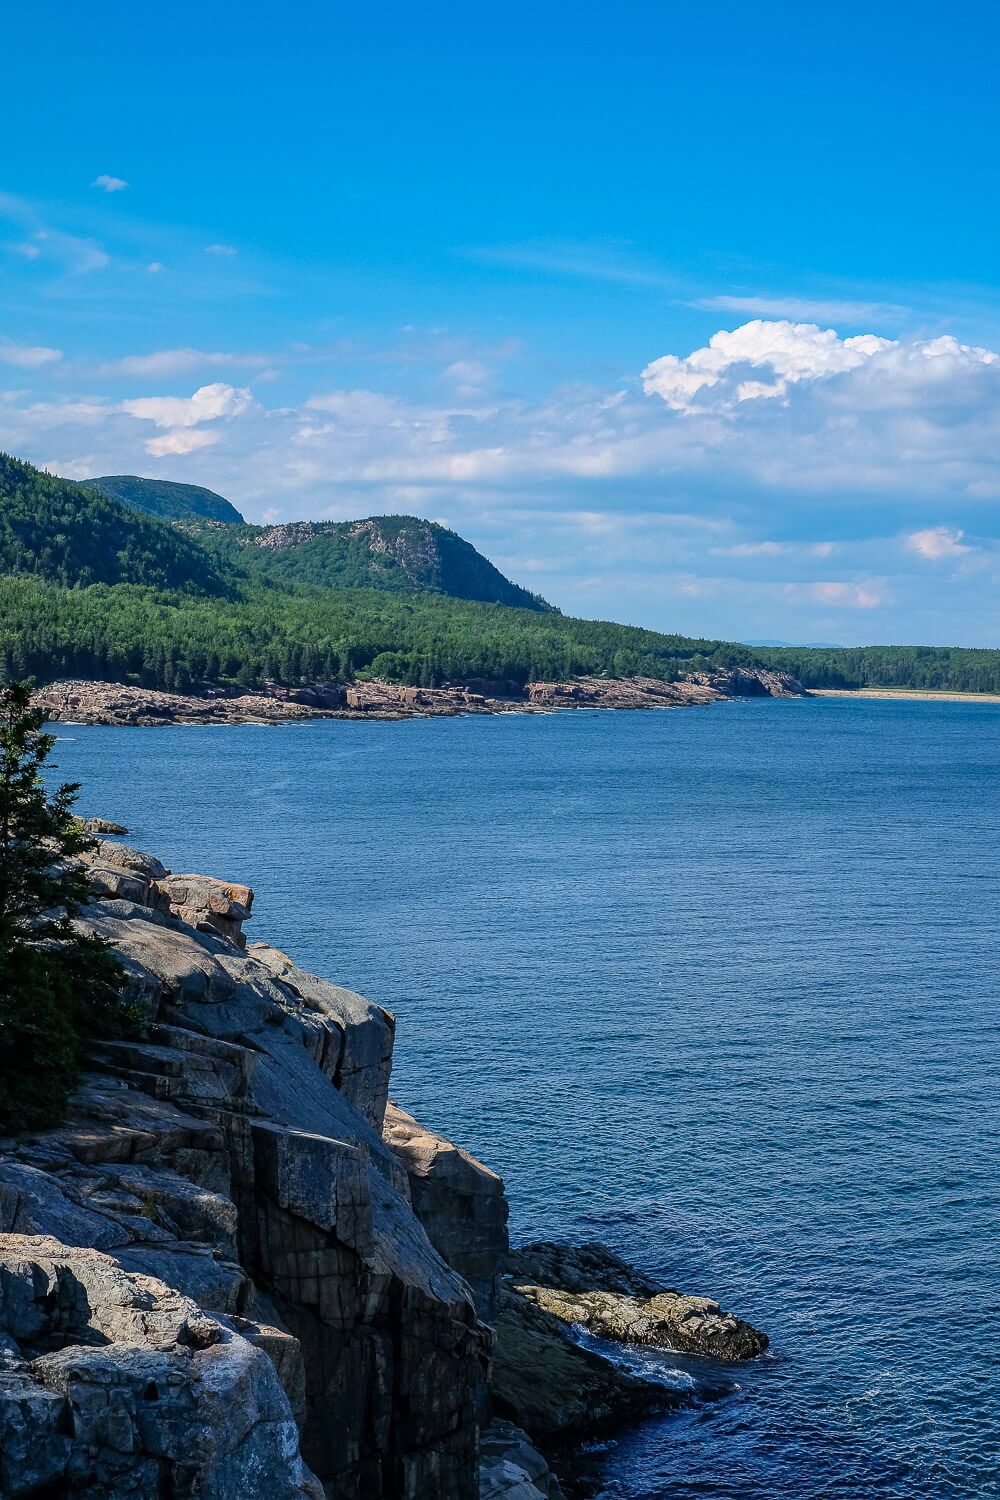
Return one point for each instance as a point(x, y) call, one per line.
point(590, 1287)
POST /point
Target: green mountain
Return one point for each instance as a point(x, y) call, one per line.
point(90, 587)
point(402, 554)
point(165, 499)
point(93, 588)
point(72, 536)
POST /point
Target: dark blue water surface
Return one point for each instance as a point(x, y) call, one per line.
point(716, 986)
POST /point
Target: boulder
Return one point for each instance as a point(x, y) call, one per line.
point(127, 1388)
point(589, 1287)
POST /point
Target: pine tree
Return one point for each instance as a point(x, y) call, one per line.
point(58, 987)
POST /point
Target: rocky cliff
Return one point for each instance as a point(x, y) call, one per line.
point(238, 1271)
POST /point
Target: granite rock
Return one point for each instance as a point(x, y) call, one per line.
point(589, 1287)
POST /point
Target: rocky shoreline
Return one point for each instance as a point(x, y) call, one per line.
point(237, 1269)
point(123, 704)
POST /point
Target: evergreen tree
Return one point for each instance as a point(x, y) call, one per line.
point(58, 987)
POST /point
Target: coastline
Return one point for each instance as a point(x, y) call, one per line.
point(921, 695)
point(109, 703)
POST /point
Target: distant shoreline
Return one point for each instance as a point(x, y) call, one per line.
point(927, 695)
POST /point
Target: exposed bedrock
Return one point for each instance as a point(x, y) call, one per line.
point(233, 1158)
point(589, 1287)
point(272, 703)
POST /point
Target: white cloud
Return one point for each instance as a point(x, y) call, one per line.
point(28, 357)
point(759, 359)
point(867, 595)
point(217, 249)
point(181, 440)
point(110, 184)
point(155, 265)
point(806, 309)
point(937, 543)
point(768, 360)
point(207, 404)
point(179, 415)
point(27, 250)
point(180, 362)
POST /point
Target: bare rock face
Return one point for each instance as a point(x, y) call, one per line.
point(103, 826)
point(236, 1272)
point(511, 1467)
point(459, 1202)
point(273, 703)
point(593, 1289)
point(212, 1271)
point(116, 1385)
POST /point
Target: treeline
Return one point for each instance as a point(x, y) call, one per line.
point(957, 669)
point(181, 642)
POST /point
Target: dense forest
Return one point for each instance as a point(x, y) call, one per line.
point(74, 536)
point(90, 587)
point(957, 669)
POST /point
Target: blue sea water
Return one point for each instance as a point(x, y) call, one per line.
point(717, 986)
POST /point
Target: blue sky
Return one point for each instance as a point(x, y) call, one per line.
point(685, 315)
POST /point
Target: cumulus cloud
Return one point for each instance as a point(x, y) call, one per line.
point(759, 359)
point(768, 360)
point(180, 441)
point(28, 356)
point(110, 184)
point(207, 404)
point(937, 543)
point(179, 415)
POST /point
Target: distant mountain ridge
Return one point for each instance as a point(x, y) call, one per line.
point(404, 554)
point(91, 587)
point(166, 498)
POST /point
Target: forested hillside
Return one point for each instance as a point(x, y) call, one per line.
point(399, 553)
point(93, 588)
point(166, 499)
point(75, 537)
point(90, 588)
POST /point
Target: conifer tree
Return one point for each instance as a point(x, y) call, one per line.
point(58, 986)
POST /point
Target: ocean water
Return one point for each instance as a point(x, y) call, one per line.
point(716, 986)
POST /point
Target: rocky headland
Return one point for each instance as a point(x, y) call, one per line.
point(123, 704)
point(238, 1270)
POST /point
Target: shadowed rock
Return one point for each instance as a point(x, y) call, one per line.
point(594, 1289)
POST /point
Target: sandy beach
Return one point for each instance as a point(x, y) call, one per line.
point(924, 694)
